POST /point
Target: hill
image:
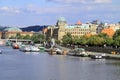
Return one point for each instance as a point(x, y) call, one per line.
point(35, 28)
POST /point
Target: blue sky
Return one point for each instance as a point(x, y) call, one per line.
point(24, 13)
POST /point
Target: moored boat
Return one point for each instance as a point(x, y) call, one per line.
point(15, 46)
point(25, 48)
point(34, 49)
point(78, 52)
point(96, 56)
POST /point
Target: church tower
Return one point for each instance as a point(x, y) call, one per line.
point(61, 23)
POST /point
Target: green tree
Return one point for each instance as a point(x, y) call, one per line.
point(76, 40)
point(117, 33)
point(103, 35)
point(83, 40)
point(95, 41)
point(57, 41)
point(67, 39)
point(12, 37)
point(18, 36)
point(38, 38)
point(117, 41)
point(26, 37)
point(109, 41)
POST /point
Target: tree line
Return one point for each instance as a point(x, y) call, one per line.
point(101, 39)
point(36, 38)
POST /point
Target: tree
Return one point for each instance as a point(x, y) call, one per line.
point(18, 35)
point(57, 41)
point(76, 40)
point(38, 38)
point(103, 35)
point(67, 39)
point(26, 37)
point(95, 41)
point(109, 41)
point(83, 40)
point(117, 33)
point(117, 41)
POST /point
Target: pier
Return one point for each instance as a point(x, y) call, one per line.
point(3, 41)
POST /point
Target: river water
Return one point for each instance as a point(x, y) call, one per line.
point(16, 65)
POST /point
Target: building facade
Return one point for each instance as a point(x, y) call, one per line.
point(62, 28)
point(12, 32)
point(78, 29)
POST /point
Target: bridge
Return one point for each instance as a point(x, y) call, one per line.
point(3, 41)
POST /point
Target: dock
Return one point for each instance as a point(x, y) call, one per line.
point(108, 56)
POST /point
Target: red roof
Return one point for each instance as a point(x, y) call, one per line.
point(79, 22)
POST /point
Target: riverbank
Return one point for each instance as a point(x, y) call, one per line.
point(101, 49)
point(111, 53)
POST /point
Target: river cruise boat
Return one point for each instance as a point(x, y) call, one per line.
point(78, 52)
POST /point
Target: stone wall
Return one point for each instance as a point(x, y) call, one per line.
point(101, 49)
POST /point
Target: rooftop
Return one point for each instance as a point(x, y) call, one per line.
point(13, 29)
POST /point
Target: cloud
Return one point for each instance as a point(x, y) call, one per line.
point(80, 1)
point(6, 9)
point(103, 1)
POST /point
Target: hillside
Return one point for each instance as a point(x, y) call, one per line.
point(35, 28)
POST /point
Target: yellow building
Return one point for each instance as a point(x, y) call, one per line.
point(62, 28)
point(78, 29)
point(12, 31)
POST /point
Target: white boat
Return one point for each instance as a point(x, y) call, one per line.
point(58, 51)
point(25, 48)
point(97, 57)
point(34, 49)
point(78, 52)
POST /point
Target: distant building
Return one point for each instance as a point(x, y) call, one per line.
point(62, 28)
point(78, 29)
point(12, 31)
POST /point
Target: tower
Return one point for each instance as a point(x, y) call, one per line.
point(61, 23)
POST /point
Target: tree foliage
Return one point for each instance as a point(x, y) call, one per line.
point(38, 38)
point(67, 39)
point(95, 41)
point(83, 40)
point(117, 33)
point(117, 41)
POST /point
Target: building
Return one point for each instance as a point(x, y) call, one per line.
point(12, 32)
point(78, 29)
point(62, 28)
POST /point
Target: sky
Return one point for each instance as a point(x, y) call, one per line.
point(22, 13)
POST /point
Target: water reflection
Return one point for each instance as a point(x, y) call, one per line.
point(16, 65)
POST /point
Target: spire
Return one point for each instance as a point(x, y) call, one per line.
point(79, 23)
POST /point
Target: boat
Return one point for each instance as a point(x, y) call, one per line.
point(34, 49)
point(8, 43)
point(56, 51)
point(15, 46)
point(25, 48)
point(52, 52)
point(42, 49)
point(79, 52)
point(96, 56)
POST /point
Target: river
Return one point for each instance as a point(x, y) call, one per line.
point(17, 65)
